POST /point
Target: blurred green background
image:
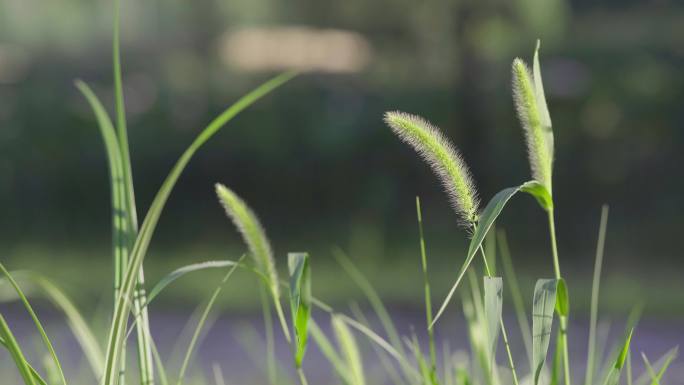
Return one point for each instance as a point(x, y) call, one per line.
point(314, 159)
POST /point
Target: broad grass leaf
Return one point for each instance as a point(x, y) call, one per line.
point(493, 301)
point(300, 301)
point(486, 220)
point(543, 305)
point(540, 193)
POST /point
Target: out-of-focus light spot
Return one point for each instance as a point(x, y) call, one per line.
point(299, 48)
point(600, 118)
point(13, 64)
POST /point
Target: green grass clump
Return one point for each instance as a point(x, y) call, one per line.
point(402, 357)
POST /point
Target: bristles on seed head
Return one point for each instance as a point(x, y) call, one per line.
point(252, 233)
point(443, 158)
point(527, 108)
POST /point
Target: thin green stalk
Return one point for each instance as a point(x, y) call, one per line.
point(270, 343)
point(302, 377)
point(563, 319)
point(594, 295)
point(503, 328)
point(428, 298)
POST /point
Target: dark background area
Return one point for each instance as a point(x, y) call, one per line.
point(315, 160)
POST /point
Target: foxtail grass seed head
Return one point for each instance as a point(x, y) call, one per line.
point(252, 232)
point(442, 157)
point(531, 108)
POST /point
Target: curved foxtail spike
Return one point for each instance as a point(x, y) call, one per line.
point(254, 236)
point(443, 158)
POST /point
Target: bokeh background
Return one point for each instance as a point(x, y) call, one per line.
point(314, 159)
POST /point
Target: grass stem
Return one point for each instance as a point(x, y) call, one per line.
point(428, 297)
point(563, 319)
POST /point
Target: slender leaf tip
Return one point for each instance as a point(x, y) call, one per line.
point(443, 158)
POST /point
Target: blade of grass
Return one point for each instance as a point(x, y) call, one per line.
point(300, 302)
point(614, 375)
point(486, 220)
point(79, 327)
point(15, 351)
point(663, 363)
point(200, 324)
point(591, 349)
point(493, 302)
point(542, 321)
point(373, 299)
point(118, 328)
point(518, 303)
point(349, 350)
point(36, 322)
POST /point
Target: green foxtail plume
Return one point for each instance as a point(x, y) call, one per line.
point(255, 237)
point(530, 103)
point(442, 157)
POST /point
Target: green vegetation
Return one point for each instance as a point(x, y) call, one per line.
point(402, 356)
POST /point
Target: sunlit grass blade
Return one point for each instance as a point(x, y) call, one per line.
point(182, 271)
point(493, 302)
point(36, 322)
point(79, 327)
point(15, 351)
point(593, 312)
point(139, 251)
point(300, 301)
point(543, 306)
point(200, 323)
point(485, 222)
point(330, 353)
point(349, 350)
point(513, 285)
point(255, 237)
point(614, 375)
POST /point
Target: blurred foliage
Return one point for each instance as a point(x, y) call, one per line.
point(315, 158)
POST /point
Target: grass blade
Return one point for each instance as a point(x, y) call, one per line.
point(15, 351)
point(543, 306)
point(349, 350)
point(614, 375)
point(118, 328)
point(518, 303)
point(300, 301)
point(663, 363)
point(373, 298)
point(486, 220)
point(593, 317)
point(200, 323)
point(79, 327)
point(181, 271)
point(493, 302)
point(36, 322)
